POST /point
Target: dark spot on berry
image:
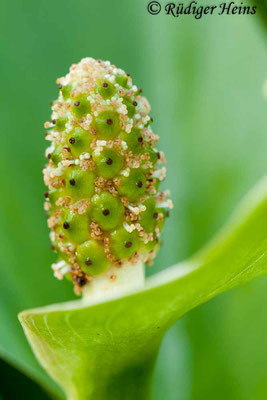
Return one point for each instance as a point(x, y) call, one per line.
point(109, 161)
point(106, 212)
point(134, 103)
point(77, 103)
point(60, 86)
point(109, 121)
point(140, 139)
point(72, 182)
point(139, 184)
point(88, 262)
point(128, 245)
point(52, 246)
point(72, 140)
point(155, 215)
point(105, 85)
point(127, 74)
point(54, 121)
point(66, 225)
point(46, 195)
point(49, 155)
point(81, 280)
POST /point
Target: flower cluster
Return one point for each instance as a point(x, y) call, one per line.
point(103, 201)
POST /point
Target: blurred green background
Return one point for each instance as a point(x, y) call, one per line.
point(204, 80)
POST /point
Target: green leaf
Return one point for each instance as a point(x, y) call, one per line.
point(107, 350)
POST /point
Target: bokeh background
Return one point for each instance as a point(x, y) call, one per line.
point(204, 80)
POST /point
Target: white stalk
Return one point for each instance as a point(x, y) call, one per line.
point(114, 283)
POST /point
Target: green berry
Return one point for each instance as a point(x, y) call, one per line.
point(107, 125)
point(123, 243)
point(60, 124)
point(65, 90)
point(80, 107)
point(107, 211)
point(103, 201)
point(130, 107)
point(91, 257)
point(79, 184)
point(105, 89)
point(75, 227)
point(134, 140)
point(149, 216)
point(134, 185)
point(53, 195)
point(122, 80)
point(108, 163)
point(79, 141)
point(56, 155)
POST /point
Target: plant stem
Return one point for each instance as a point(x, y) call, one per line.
point(114, 283)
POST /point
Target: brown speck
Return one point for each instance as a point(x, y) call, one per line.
point(128, 245)
point(134, 103)
point(105, 85)
point(72, 182)
point(106, 212)
point(49, 155)
point(155, 215)
point(52, 246)
point(77, 103)
point(167, 213)
point(81, 280)
point(60, 87)
point(127, 74)
point(66, 225)
point(140, 139)
point(46, 195)
point(140, 90)
point(139, 184)
point(109, 161)
point(54, 121)
point(158, 154)
point(151, 119)
point(72, 140)
point(109, 121)
point(88, 262)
